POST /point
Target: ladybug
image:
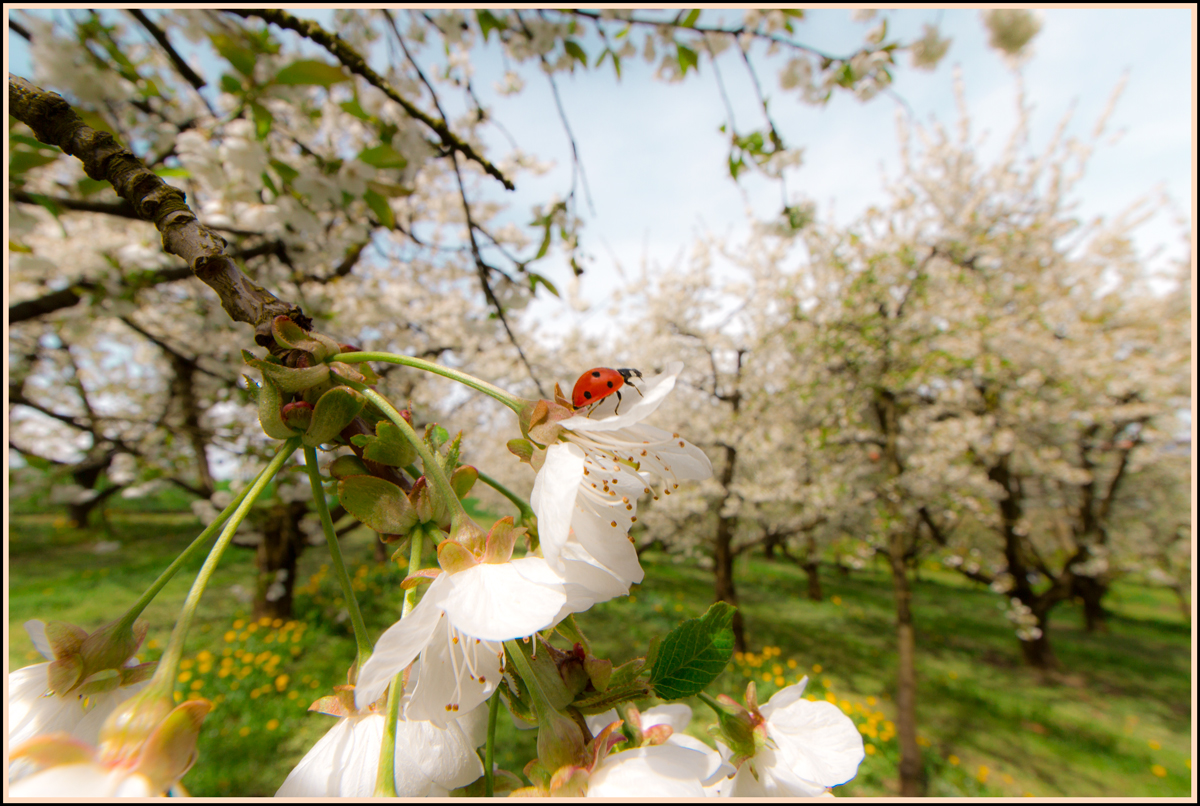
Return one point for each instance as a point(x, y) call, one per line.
point(597, 384)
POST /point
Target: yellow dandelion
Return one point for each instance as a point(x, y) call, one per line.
point(817, 668)
point(1159, 770)
point(243, 732)
point(837, 600)
point(293, 694)
point(281, 682)
point(869, 749)
point(678, 607)
point(871, 701)
point(982, 775)
point(791, 663)
point(767, 678)
point(184, 676)
point(197, 685)
point(186, 664)
point(1154, 745)
point(204, 656)
point(272, 724)
point(265, 621)
point(776, 669)
point(779, 681)
point(953, 759)
point(830, 697)
point(1008, 779)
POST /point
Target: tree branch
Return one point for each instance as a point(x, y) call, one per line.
point(54, 122)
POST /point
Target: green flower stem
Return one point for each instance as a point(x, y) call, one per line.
point(520, 503)
point(713, 704)
point(488, 389)
point(489, 775)
point(385, 778)
point(361, 638)
point(187, 554)
point(168, 666)
point(429, 461)
point(416, 546)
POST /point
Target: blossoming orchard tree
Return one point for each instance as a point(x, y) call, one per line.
point(970, 367)
point(328, 204)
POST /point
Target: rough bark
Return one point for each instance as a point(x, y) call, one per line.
point(912, 778)
point(723, 554)
point(276, 558)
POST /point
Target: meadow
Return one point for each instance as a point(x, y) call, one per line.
point(1116, 721)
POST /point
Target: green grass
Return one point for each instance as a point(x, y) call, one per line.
point(989, 726)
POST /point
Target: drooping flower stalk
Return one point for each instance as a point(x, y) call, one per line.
point(361, 639)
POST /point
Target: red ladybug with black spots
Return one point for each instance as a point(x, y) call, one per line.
point(597, 384)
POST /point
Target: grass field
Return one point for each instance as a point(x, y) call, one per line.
point(1116, 722)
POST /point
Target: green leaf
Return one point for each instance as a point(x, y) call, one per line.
point(311, 71)
point(687, 58)
point(545, 242)
point(21, 160)
point(262, 120)
point(241, 58)
point(354, 108)
point(333, 412)
point(379, 504)
point(388, 446)
point(691, 18)
point(286, 172)
point(694, 654)
point(535, 279)
point(383, 156)
point(735, 166)
point(165, 172)
point(380, 207)
point(576, 51)
point(230, 84)
point(488, 22)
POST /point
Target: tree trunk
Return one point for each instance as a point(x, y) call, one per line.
point(723, 555)
point(80, 513)
point(281, 546)
point(912, 778)
point(1091, 591)
point(1038, 652)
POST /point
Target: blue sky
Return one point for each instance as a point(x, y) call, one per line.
point(656, 164)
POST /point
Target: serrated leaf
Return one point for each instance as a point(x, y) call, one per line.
point(333, 412)
point(388, 446)
point(380, 207)
point(311, 72)
point(379, 504)
point(693, 654)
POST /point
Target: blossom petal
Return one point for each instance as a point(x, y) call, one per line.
point(494, 602)
point(553, 497)
point(817, 741)
point(661, 771)
point(400, 644)
point(343, 762)
point(654, 391)
point(444, 756)
point(452, 677)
